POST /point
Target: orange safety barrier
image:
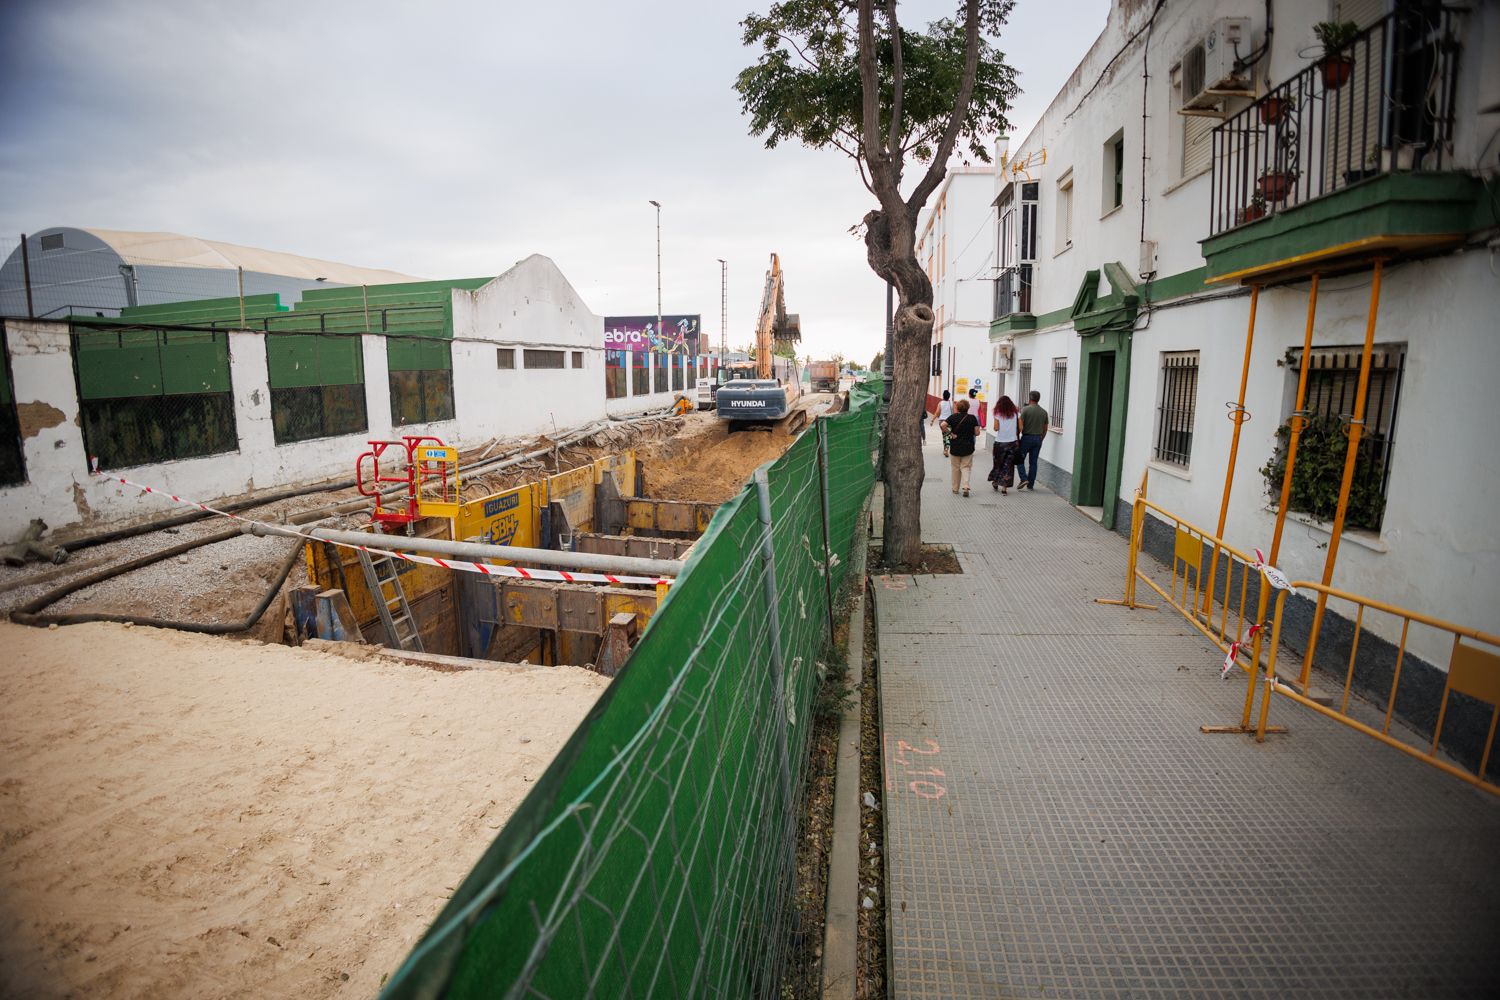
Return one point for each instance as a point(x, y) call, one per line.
point(1217, 608)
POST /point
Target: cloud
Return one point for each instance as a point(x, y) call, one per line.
point(449, 139)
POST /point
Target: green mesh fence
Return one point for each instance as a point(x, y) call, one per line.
point(654, 858)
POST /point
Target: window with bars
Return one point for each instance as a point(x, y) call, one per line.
point(577, 359)
point(1332, 387)
point(937, 358)
point(1059, 399)
point(1023, 380)
point(505, 357)
point(1175, 407)
point(542, 359)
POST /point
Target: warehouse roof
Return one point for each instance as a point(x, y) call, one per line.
point(191, 251)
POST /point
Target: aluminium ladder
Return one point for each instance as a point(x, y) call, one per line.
point(395, 614)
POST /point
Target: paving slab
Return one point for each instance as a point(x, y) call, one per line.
point(1056, 826)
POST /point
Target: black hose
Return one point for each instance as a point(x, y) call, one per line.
point(224, 628)
point(175, 520)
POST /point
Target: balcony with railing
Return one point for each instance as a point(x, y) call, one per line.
point(1352, 156)
point(1013, 298)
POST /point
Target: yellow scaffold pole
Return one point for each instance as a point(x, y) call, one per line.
point(1296, 421)
point(1239, 415)
point(1351, 456)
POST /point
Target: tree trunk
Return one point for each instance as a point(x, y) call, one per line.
point(904, 466)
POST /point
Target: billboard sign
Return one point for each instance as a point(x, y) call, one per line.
point(678, 334)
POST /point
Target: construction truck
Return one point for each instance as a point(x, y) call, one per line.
point(764, 394)
point(824, 376)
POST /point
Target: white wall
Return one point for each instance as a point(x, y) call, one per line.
point(1437, 550)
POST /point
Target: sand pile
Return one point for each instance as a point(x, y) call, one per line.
point(189, 816)
point(705, 462)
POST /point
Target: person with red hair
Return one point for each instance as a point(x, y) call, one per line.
point(1007, 444)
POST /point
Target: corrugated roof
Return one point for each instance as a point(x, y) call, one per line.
point(191, 251)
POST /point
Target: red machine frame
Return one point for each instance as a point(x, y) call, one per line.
point(416, 475)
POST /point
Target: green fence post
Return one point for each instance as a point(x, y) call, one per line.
point(819, 424)
point(773, 599)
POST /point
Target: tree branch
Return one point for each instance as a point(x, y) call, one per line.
point(939, 165)
point(881, 170)
point(798, 49)
point(897, 84)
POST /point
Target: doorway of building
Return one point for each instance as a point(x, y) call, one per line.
point(1098, 417)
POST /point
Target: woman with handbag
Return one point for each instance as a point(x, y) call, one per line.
point(1007, 444)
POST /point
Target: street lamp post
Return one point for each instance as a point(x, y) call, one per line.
point(723, 309)
point(658, 266)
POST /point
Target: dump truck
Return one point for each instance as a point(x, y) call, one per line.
point(765, 397)
point(824, 376)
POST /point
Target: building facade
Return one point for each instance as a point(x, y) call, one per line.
point(221, 397)
point(1207, 189)
point(956, 246)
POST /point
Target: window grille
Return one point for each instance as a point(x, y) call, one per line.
point(1332, 384)
point(1059, 400)
point(505, 357)
point(543, 359)
point(1176, 406)
point(1024, 380)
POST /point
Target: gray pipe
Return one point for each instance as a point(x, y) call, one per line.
point(475, 551)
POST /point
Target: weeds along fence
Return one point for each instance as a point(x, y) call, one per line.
point(655, 856)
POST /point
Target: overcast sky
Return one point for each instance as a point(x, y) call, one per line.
point(446, 139)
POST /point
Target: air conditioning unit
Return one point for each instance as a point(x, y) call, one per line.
point(1004, 351)
point(1211, 67)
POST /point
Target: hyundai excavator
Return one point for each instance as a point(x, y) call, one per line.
point(764, 394)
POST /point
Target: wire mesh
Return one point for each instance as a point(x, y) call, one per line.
point(655, 857)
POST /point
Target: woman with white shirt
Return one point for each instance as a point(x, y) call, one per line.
point(945, 410)
point(1007, 444)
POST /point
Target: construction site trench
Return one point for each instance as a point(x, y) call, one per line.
point(310, 789)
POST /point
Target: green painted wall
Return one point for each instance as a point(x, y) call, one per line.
point(114, 364)
point(413, 355)
point(295, 360)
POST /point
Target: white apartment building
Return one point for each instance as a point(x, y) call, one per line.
point(1204, 165)
point(956, 245)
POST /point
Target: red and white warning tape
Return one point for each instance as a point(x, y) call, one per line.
point(1235, 647)
point(484, 569)
point(1274, 576)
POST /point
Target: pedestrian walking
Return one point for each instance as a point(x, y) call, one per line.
point(1007, 444)
point(1034, 421)
point(944, 411)
point(962, 428)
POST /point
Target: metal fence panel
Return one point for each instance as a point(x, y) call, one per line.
point(655, 857)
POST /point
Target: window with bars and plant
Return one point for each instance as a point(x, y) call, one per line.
point(1332, 388)
point(1176, 406)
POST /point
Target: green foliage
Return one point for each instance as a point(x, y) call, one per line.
point(805, 86)
point(1319, 472)
point(877, 363)
point(1335, 35)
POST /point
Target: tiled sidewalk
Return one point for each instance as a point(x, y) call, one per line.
point(1056, 826)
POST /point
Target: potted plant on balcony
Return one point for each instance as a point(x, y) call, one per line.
point(1255, 209)
point(1274, 108)
point(1337, 65)
point(1275, 183)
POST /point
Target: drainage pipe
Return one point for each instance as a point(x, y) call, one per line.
point(475, 551)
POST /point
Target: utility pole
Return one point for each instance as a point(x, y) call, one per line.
point(723, 309)
point(658, 266)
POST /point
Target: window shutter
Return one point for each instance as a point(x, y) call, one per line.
point(1197, 143)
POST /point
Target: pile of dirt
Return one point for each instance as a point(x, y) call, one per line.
point(704, 462)
point(185, 816)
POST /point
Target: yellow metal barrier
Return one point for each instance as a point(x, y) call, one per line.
point(1201, 589)
point(1194, 590)
point(1472, 670)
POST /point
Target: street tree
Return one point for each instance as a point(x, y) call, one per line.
point(843, 74)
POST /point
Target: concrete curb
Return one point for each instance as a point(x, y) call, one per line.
point(841, 926)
